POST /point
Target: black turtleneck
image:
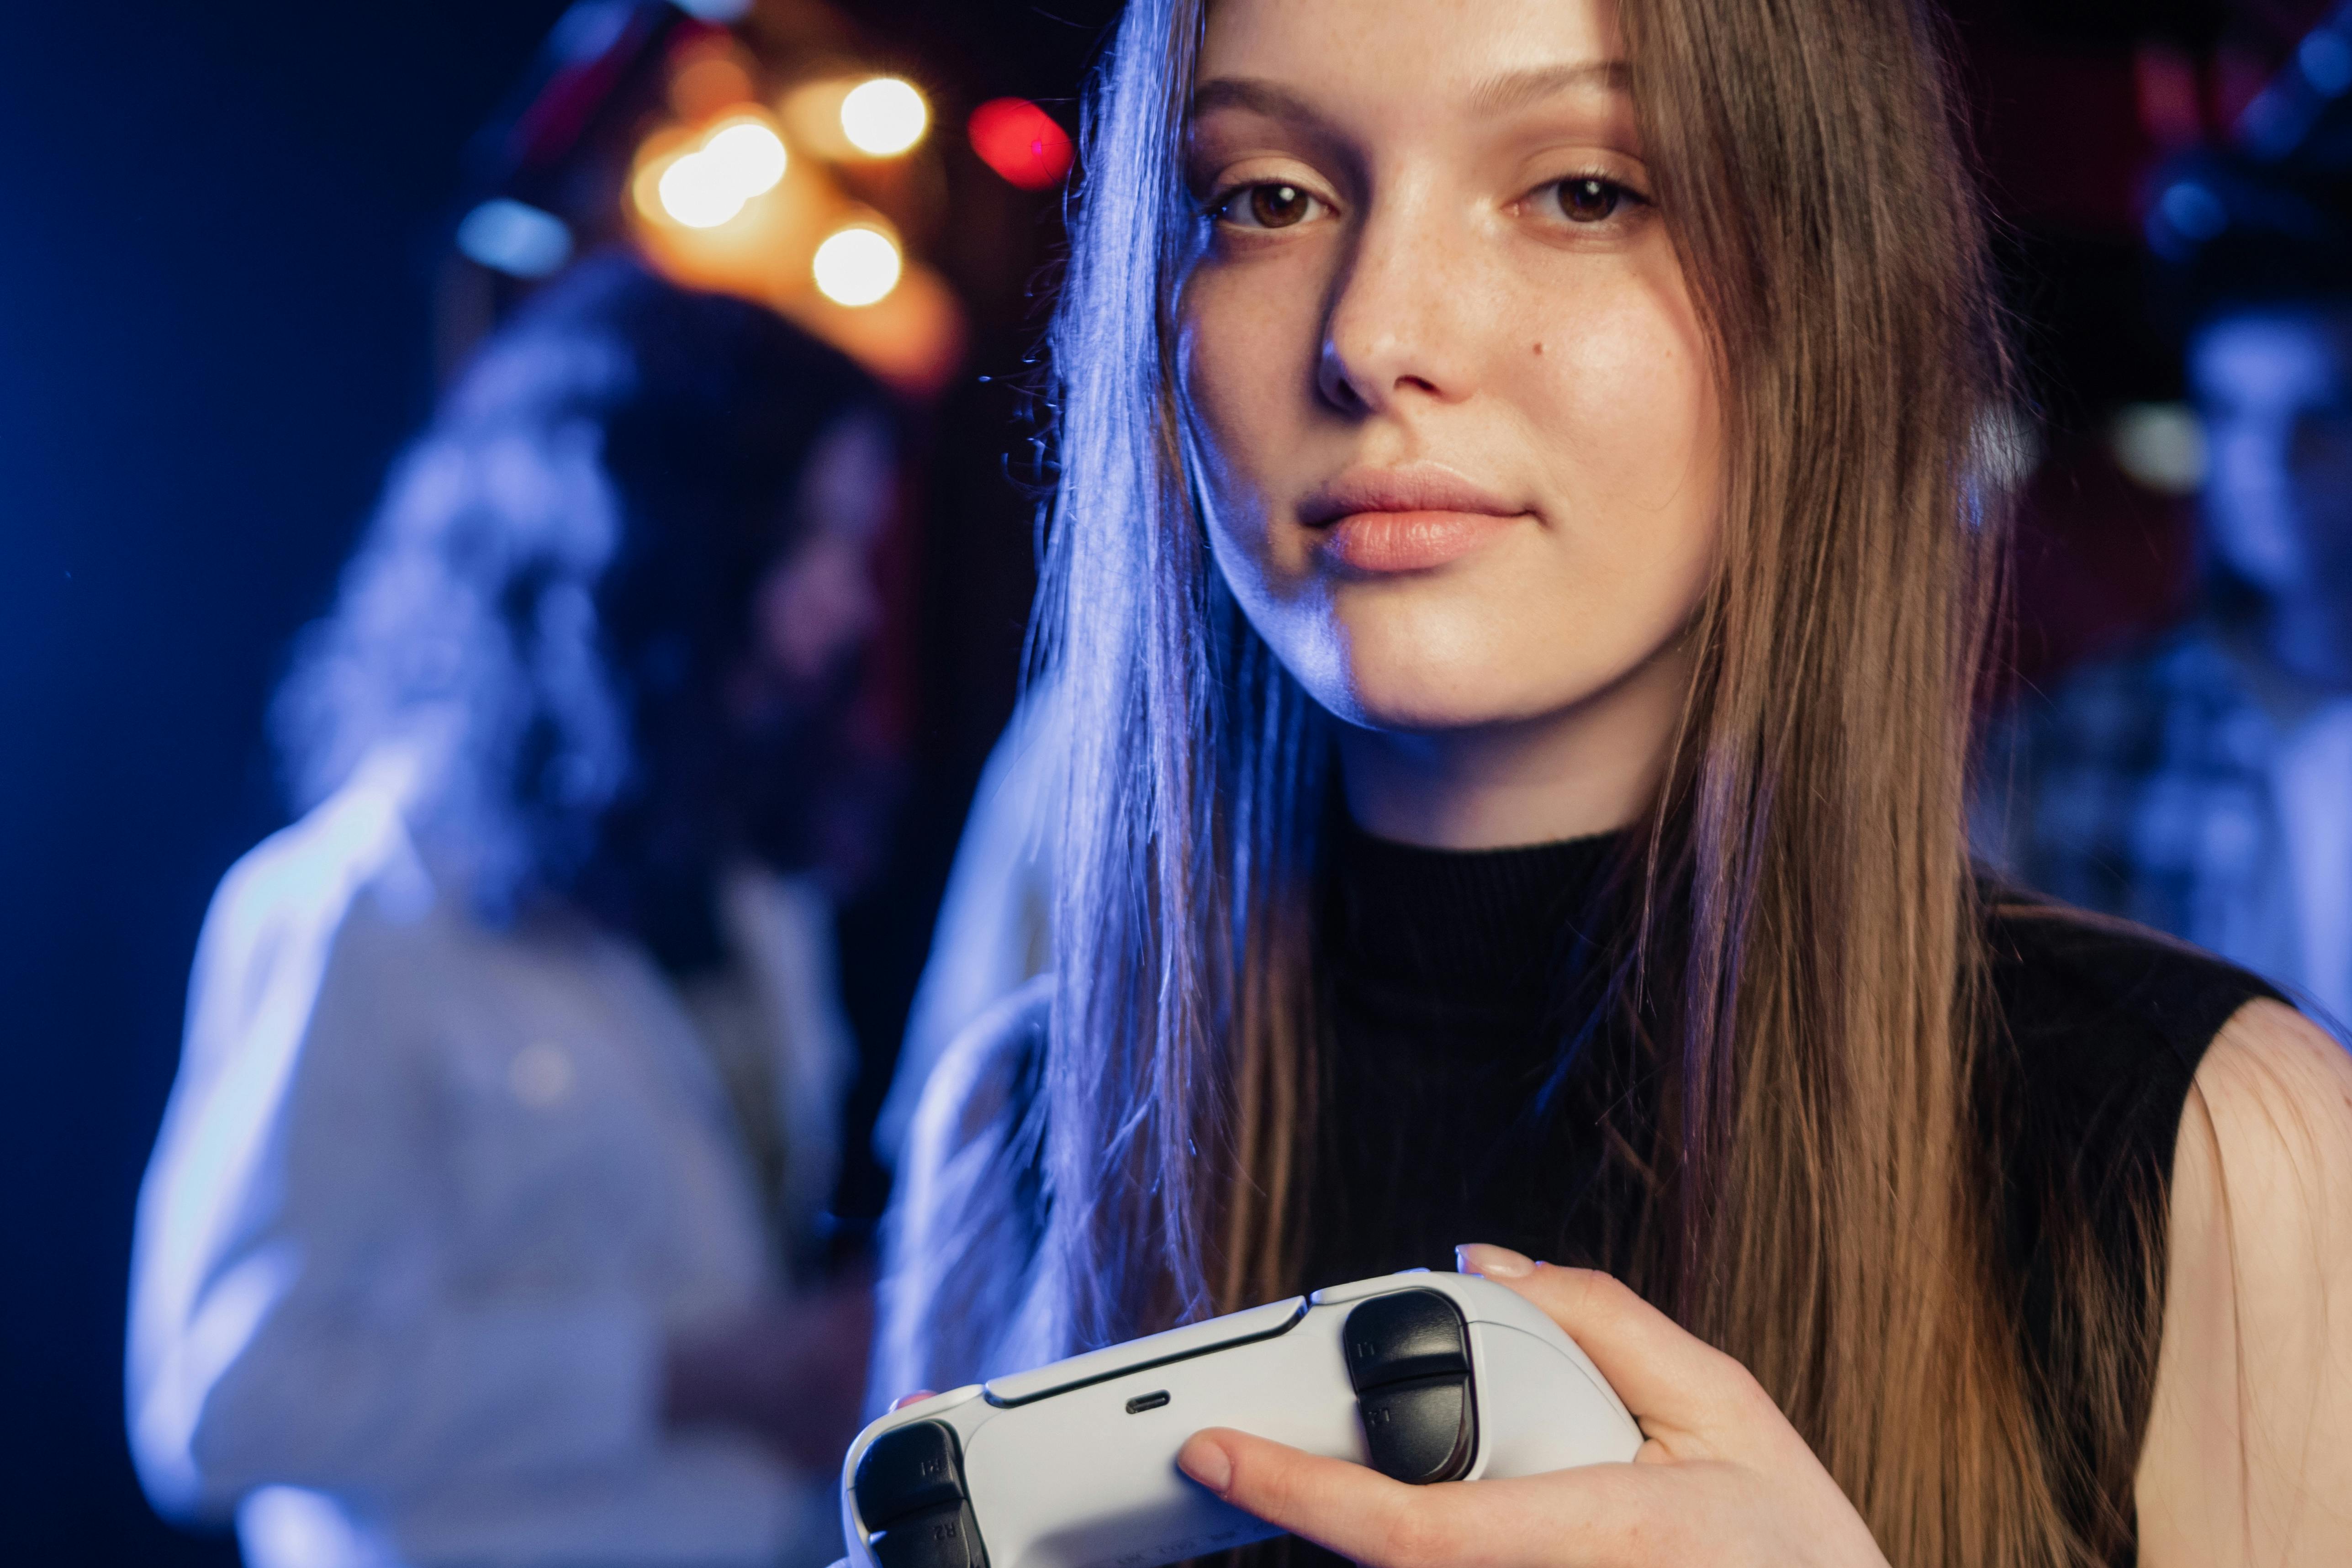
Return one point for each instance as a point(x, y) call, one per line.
point(1460, 1051)
point(1472, 1084)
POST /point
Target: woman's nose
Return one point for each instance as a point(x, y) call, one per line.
point(1397, 327)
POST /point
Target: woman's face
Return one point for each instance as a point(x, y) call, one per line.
point(1447, 389)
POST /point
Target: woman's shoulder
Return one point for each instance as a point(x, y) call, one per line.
point(986, 1079)
point(317, 891)
point(967, 1218)
point(2088, 1001)
point(2258, 1293)
point(2125, 1067)
point(311, 869)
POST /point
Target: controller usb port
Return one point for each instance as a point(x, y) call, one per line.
point(1142, 1402)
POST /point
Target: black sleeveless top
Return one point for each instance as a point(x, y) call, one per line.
point(1469, 1085)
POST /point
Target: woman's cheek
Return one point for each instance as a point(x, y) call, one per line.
point(1627, 413)
point(1232, 393)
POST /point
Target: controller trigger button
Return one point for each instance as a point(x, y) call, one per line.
point(943, 1537)
point(1422, 1431)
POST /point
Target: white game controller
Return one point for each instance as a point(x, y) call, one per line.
point(1425, 1378)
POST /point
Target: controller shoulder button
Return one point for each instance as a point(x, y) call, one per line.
point(1405, 1334)
point(907, 1471)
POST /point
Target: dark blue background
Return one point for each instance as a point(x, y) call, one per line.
point(218, 223)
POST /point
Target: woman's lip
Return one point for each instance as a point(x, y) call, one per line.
point(1386, 541)
point(1413, 487)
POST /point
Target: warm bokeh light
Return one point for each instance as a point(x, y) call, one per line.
point(914, 340)
point(811, 113)
point(708, 183)
point(698, 192)
point(857, 266)
point(1021, 141)
point(750, 153)
point(884, 117)
point(707, 82)
point(860, 289)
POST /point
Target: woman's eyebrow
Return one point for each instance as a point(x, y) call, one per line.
point(1253, 93)
point(1516, 89)
point(1497, 94)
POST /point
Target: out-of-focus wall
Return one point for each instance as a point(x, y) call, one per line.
point(212, 332)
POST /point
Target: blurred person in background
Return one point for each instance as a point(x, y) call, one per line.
point(487, 1222)
point(2203, 784)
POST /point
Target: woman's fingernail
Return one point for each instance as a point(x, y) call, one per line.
point(1207, 1462)
point(1495, 1262)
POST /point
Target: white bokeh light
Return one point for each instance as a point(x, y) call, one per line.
point(700, 192)
point(752, 155)
point(857, 267)
point(884, 117)
point(736, 161)
point(2161, 445)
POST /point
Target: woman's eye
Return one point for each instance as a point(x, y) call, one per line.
point(1588, 198)
point(1270, 205)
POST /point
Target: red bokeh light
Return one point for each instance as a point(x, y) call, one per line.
point(1021, 141)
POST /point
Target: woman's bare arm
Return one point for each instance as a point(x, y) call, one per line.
point(2249, 1452)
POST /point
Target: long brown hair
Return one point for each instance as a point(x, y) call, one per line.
point(1809, 953)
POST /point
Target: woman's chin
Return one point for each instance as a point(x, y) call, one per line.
point(1424, 701)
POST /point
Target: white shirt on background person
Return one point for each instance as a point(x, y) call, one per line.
point(430, 1197)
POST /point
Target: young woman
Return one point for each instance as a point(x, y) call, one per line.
point(1519, 572)
point(484, 1226)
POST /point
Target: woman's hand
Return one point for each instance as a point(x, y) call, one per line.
point(1723, 1478)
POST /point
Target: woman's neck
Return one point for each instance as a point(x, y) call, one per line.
point(1589, 767)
